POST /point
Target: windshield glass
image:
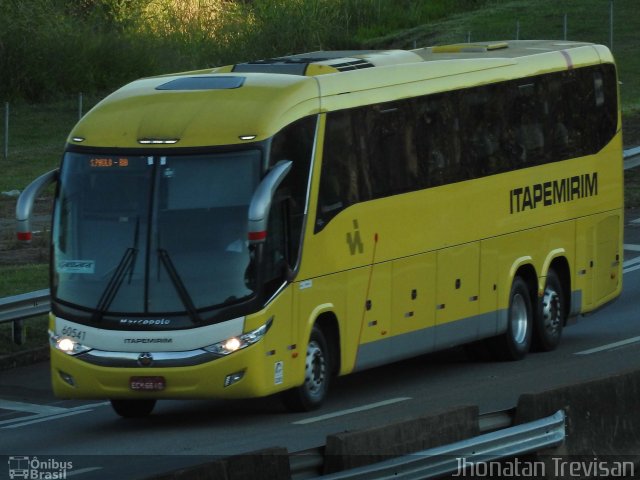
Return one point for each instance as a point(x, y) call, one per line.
point(137, 234)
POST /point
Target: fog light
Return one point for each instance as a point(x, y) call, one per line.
point(67, 378)
point(233, 378)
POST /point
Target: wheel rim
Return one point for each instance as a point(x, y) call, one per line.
point(519, 318)
point(551, 311)
point(315, 371)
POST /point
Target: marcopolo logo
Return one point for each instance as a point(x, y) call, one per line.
point(33, 468)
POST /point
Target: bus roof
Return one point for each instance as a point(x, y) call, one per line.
point(253, 100)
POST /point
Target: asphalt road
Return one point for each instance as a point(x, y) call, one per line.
point(101, 445)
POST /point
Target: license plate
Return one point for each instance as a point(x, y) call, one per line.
point(147, 384)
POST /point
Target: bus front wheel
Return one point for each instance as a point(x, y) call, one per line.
point(133, 408)
point(312, 393)
point(514, 344)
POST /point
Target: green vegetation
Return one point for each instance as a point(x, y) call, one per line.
point(35, 330)
point(50, 50)
point(36, 139)
point(18, 279)
point(48, 47)
point(13, 281)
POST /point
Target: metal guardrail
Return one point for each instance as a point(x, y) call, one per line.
point(631, 152)
point(24, 306)
point(36, 303)
point(436, 462)
point(630, 160)
point(308, 464)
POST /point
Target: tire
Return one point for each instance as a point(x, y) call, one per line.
point(130, 408)
point(312, 393)
point(547, 329)
point(515, 343)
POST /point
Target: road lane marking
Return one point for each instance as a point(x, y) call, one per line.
point(609, 346)
point(81, 471)
point(47, 416)
point(349, 411)
point(38, 419)
point(631, 247)
point(30, 407)
point(631, 269)
point(631, 265)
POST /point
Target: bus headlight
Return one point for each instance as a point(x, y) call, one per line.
point(67, 344)
point(245, 340)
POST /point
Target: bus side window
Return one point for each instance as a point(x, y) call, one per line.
point(437, 140)
point(482, 140)
point(295, 143)
point(602, 109)
point(529, 130)
point(277, 251)
point(610, 107)
point(339, 173)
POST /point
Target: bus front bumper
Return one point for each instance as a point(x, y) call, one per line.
point(239, 375)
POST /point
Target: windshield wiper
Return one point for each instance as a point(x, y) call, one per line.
point(126, 264)
point(185, 298)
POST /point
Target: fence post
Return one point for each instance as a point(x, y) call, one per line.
point(6, 130)
point(517, 29)
point(18, 332)
point(565, 27)
point(80, 106)
point(611, 25)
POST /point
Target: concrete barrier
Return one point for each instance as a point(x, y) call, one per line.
point(355, 449)
point(603, 416)
point(602, 434)
point(267, 464)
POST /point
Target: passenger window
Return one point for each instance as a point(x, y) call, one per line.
point(339, 175)
point(295, 143)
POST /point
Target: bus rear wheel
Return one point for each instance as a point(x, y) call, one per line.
point(312, 393)
point(515, 343)
point(551, 316)
point(133, 408)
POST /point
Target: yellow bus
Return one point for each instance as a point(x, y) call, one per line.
point(260, 228)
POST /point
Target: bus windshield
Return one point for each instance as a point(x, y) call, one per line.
point(153, 235)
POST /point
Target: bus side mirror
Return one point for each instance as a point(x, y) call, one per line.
point(263, 198)
point(27, 198)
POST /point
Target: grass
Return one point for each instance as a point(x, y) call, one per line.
point(18, 279)
point(38, 130)
point(15, 280)
point(37, 134)
point(35, 332)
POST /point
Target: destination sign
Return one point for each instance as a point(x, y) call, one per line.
point(107, 162)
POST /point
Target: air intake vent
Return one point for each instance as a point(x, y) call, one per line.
point(352, 65)
point(298, 65)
